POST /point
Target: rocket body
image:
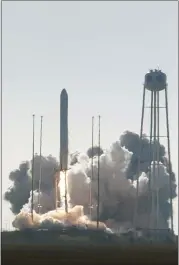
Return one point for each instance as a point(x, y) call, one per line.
point(64, 130)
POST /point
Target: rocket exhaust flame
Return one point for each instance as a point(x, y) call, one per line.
point(66, 203)
point(57, 199)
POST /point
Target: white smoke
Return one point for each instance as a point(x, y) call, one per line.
point(117, 193)
point(143, 183)
point(160, 177)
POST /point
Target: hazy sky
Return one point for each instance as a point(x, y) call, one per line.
point(98, 51)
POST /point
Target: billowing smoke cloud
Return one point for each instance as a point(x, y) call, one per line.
point(118, 188)
point(134, 144)
point(94, 151)
point(19, 193)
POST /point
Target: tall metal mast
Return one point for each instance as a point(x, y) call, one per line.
point(169, 157)
point(92, 169)
point(40, 171)
point(33, 140)
point(139, 159)
point(98, 193)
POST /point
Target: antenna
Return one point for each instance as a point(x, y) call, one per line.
point(32, 201)
point(92, 171)
point(98, 198)
point(40, 171)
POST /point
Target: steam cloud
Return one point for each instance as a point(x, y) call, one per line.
point(118, 171)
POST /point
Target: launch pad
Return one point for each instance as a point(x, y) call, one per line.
point(84, 236)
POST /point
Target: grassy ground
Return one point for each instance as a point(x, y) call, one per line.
point(89, 255)
point(54, 248)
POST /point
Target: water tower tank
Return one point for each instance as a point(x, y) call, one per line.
point(155, 80)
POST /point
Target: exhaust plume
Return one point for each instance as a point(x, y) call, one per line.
point(118, 170)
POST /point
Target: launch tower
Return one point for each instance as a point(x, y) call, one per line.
point(155, 84)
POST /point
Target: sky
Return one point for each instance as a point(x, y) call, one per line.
point(100, 52)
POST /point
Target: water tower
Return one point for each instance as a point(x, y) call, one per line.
point(155, 83)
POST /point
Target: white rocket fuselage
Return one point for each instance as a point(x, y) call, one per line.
point(64, 130)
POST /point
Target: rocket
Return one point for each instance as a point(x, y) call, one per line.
point(63, 130)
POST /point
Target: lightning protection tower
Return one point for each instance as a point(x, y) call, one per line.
point(155, 84)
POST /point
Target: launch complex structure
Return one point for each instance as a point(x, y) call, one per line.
point(63, 159)
point(155, 83)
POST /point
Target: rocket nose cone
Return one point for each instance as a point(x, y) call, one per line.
point(64, 92)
